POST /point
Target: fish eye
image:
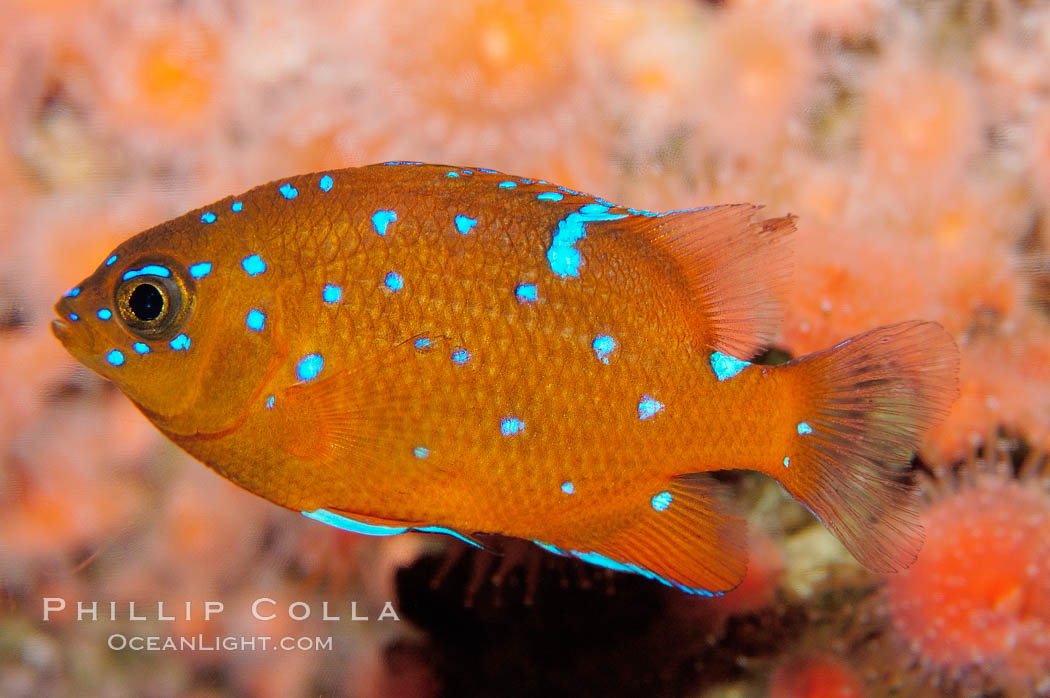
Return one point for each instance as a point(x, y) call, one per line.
point(147, 302)
point(151, 306)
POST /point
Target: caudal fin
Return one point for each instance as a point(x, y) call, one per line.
point(866, 405)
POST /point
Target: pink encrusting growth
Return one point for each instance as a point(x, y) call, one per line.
point(919, 129)
point(1003, 379)
point(758, 66)
point(975, 607)
point(488, 82)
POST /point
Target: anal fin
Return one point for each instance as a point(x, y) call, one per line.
point(681, 536)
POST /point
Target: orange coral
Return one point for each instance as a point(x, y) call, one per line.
point(1039, 153)
point(814, 674)
point(512, 85)
point(172, 86)
point(974, 608)
point(757, 68)
point(1004, 379)
point(57, 491)
point(921, 126)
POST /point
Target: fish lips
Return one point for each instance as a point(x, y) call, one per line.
point(76, 336)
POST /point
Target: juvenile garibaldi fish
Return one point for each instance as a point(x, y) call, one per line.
point(419, 347)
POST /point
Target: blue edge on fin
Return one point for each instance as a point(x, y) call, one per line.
point(602, 561)
point(348, 524)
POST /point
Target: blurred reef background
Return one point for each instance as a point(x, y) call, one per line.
point(911, 138)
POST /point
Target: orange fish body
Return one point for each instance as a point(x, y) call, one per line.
point(410, 346)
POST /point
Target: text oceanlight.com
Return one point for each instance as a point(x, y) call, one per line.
point(214, 643)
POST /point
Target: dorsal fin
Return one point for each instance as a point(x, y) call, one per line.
point(736, 267)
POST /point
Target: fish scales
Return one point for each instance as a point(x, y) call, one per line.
point(426, 347)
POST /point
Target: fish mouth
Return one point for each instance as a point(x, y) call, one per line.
point(62, 331)
point(78, 341)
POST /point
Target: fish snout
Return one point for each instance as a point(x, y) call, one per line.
point(61, 330)
point(70, 327)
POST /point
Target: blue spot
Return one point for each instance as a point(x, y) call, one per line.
point(154, 269)
point(200, 270)
point(466, 172)
point(253, 265)
point(109, 262)
point(511, 425)
point(570, 191)
point(73, 292)
point(104, 314)
point(603, 345)
point(237, 206)
point(270, 400)
point(563, 257)
point(804, 428)
point(288, 191)
point(487, 171)
point(309, 366)
point(208, 217)
point(568, 488)
point(74, 317)
point(460, 356)
point(662, 500)
point(256, 320)
point(420, 452)
point(507, 185)
point(332, 293)
point(348, 524)
point(402, 162)
point(141, 348)
point(647, 407)
point(464, 224)
point(394, 281)
point(526, 293)
point(180, 343)
point(726, 366)
point(550, 196)
point(525, 180)
point(115, 357)
point(452, 174)
point(381, 219)
point(326, 183)
point(787, 461)
point(423, 343)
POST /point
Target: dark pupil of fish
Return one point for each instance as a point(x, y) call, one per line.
point(146, 302)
